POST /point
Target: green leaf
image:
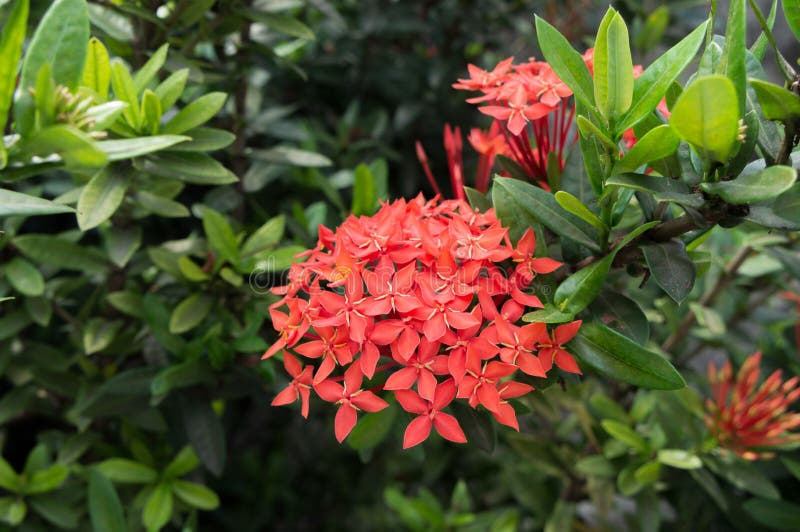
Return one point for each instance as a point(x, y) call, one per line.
point(146, 74)
point(190, 313)
point(204, 430)
point(56, 511)
point(127, 471)
point(280, 23)
point(129, 303)
point(478, 200)
point(671, 268)
point(589, 129)
point(220, 235)
point(733, 60)
point(777, 515)
point(195, 495)
point(186, 460)
point(122, 243)
point(76, 148)
point(181, 375)
point(13, 511)
point(364, 192)
point(614, 355)
point(513, 199)
point(11, 40)
point(60, 253)
point(196, 168)
point(662, 188)
point(791, 10)
point(759, 186)
point(658, 143)
point(192, 271)
point(105, 114)
point(61, 40)
point(98, 334)
point(9, 479)
point(101, 198)
point(24, 277)
point(105, 508)
point(205, 139)
point(158, 508)
point(292, 157)
point(595, 466)
point(706, 117)
point(121, 149)
point(124, 91)
point(622, 314)
point(568, 64)
point(647, 473)
point(625, 434)
point(679, 458)
point(613, 67)
point(161, 206)
point(372, 429)
point(793, 466)
point(97, 69)
point(478, 425)
point(549, 314)
point(47, 479)
point(196, 113)
point(170, 90)
point(652, 84)
point(573, 205)
point(18, 204)
point(776, 102)
point(265, 237)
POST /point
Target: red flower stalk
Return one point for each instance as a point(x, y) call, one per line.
point(418, 285)
point(745, 417)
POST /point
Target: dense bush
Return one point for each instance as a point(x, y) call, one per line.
point(625, 257)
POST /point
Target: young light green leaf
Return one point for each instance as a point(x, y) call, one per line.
point(170, 90)
point(124, 91)
point(195, 495)
point(568, 64)
point(190, 313)
point(791, 9)
point(101, 198)
point(61, 40)
point(658, 143)
point(625, 434)
point(11, 40)
point(776, 102)
point(679, 459)
point(613, 67)
point(98, 334)
point(588, 130)
point(364, 193)
point(47, 479)
point(196, 113)
point(572, 204)
point(186, 460)
point(125, 471)
point(706, 116)
point(616, 356)
point(158, 508)
point(97, 69)
point(146, 74)
point(77, 149)
point(652, 84)
point(24, 277)
point(758, 186)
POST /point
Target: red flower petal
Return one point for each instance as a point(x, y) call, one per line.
point(417, 431)
point(411, 402)
point(448, 428)
point(346, 418)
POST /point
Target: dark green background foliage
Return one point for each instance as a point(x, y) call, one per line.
point(134, 299)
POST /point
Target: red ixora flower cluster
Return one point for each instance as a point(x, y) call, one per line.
point(422, 299)
point(744, 417)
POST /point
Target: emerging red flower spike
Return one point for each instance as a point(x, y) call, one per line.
point(409, 298)
point(745, 417)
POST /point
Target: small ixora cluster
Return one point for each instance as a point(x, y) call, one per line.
point(435, 289)
point(744, 417)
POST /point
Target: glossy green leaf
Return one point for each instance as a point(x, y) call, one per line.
point(158, 507)
point(61, 40)
point(548, 314)
point(679, 459)
point(98, 334)
point(625, 434)
point(662, 188)
point(60, 253)
point(671, 268)
point(616, 356)
point(706, 117)
point(652, 84)
point(161, 206)
point(13, 34)
point(195, 495)
point(776, 102)
point(18, 204)
point(190, 313)
point(622, 314)
point(105, 508)
point(149, 70)
point(121, 243)
point(125, 91)
point(120, 149)
point(568, 64)
point(364, 192)
point(151, 112)
point(658, 143)
point(205, 139)
point(127, 471)
point(589, 129)
point(47, 479)
point(170, 90)
point(758, 186)
point(186, 460)
point(733, 60)
point(759, 48)
point(101, 198)
point(97, 69)
point(24, 277)
point(573, 205)
point(613, 67)
point(76, 148)
point(196, 168)
point(9, 479)
point(791, 9)
point(196, 113)
point(372, 429)
point(513, 198)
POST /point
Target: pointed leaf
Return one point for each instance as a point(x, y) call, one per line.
point(101, 198)
point(671, 268)
point(759, 186)
point(568, 64)
point(11, 39)
point(18, 204)
point(190, 313)
point(105, 508)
